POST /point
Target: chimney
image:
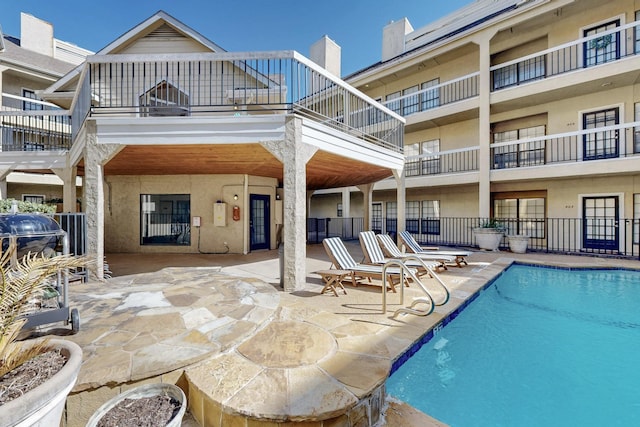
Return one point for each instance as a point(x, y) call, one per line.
point(326, 53)
point(36, 34)
point(393, 38)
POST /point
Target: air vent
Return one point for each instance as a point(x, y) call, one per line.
point(164, 31)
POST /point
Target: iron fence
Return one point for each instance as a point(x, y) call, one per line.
point(571, 236)
point(345, 228)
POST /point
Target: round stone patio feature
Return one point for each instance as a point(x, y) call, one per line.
point(288, 344)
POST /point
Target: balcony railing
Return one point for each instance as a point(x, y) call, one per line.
point(439, 95)
point(604, 47)
point(572, 236)
point(231, 84)
point(592, 144)
point(443, 162)
point(28, 124)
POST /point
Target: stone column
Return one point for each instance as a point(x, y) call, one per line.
point(294, 156)
point(96, 156)
point(68, 177)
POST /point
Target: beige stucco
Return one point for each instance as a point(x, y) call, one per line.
point(122, 210)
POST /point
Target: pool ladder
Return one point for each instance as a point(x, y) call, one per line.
point(404, 269)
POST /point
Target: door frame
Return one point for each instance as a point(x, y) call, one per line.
point(266, 215)
point(617, 242)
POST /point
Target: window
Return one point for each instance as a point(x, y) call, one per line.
point(602, 49)
point(430, 217)
point(165, 219)
point(600, 144)
point(411, 103)
point(391, 225)
point(33, 198)
point(376, 217)
point(518, 155)
point(339, 210)
point(412, 216)
point(412, 165)
point(522, 72)
point(422, 158)
point(431, 164)
point(393, 103)
point(31, 106)
point(522, 215)
point(430, 98)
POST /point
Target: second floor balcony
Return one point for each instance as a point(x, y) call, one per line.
point(588, 150)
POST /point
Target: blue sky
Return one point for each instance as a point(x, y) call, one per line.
point(250, 25)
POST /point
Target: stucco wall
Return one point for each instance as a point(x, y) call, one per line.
point(122, 210)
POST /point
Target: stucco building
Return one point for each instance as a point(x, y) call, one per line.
point(525, 111)
point(184, 147)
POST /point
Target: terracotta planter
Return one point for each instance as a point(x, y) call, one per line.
point(146, 390)
point(488, 238)
point(518, 243)
point(43, 406)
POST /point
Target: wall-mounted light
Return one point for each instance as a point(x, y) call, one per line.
point(235, 197)
point(277, 197)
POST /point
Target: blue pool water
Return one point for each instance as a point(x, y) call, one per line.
point(538, 347)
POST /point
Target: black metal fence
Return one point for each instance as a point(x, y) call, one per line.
point(346, 228)
point(572, 236)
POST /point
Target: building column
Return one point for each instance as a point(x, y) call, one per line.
point(401, 198)
point(484, 127)
point(4, 173)
point(69, 198)
point(96, 156)
point(367, 191)
point(346, 202)
point(294, 155)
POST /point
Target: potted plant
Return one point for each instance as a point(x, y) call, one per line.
point(489, 235)
point(158, 404)
point(518, 243)
point(55, 363)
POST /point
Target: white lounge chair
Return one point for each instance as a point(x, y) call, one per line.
point(413, 246)
point(374, 254)
point(342, 260)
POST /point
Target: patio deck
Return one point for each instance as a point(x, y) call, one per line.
point(219, 327)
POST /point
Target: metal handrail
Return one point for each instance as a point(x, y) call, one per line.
point(404, 269)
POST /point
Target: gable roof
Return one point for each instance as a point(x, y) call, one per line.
point(160, 23)
point(13, 55)
point(152, 22)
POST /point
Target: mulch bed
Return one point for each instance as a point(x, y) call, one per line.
point(154, 411)
point(30, 374)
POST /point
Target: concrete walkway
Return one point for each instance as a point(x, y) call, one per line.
point(220, 327)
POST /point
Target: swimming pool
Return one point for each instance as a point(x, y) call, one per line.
point(539, 346)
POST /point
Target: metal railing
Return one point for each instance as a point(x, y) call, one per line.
point(604, 47)
point(75, 224)
point(571, 236)
point(231, 84)
point(435, 96)
point(586, 145)
point(28, 124)
point(346, 228)
point(441, 162)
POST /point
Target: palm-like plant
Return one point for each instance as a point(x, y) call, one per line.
point(21, 280)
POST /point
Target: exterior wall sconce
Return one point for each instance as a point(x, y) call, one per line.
point(235, 197)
